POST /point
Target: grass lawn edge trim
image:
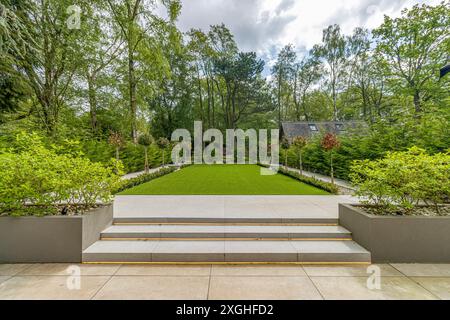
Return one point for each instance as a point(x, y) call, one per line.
point(225, 179)
point(329, 187)
point(146, 177)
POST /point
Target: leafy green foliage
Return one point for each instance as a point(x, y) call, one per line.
point(129, 70)
point(413, 48)
point(307, 180)
point(299, 142)
point(403, 179)
point(145, 140)
point(163, 143)
point(35, 176)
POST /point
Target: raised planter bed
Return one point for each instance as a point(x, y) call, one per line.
point(407, 239)
point(51, 238)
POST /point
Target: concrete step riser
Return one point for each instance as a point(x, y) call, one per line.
point(199, 236)
point(256, 221)
point(227, 251)
point(232, 257)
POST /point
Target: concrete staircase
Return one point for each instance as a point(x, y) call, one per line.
point(228, 239)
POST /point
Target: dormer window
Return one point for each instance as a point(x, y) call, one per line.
point(313, 127)
point(340, 127)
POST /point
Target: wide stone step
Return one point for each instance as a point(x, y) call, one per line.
point(226, 251)
point(235, 219)
point(169, 231)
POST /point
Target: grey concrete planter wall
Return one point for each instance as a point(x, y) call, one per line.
point(412, 239)
point(51, 238)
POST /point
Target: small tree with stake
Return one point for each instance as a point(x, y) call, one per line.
point(163, 143)
point(285, 146)
point(299, 143)
point(330, 142)
point(145, 140)
point(115, 139)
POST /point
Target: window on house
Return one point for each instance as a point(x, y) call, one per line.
point(340, 127)
point(313, 127)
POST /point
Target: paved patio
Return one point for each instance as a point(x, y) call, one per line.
point(398, 281)
point(230, 206)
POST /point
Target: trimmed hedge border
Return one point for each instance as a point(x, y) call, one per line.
point(308, 180)
point(147, 177)
point(144, 178)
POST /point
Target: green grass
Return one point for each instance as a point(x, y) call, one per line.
point(223, 180)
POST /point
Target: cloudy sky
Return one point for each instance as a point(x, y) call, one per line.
point(266, 25)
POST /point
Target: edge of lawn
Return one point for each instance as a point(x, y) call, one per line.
point(129, 185)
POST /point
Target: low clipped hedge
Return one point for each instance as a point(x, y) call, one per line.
point(308, 180)
point(311, 181)
point(144, 178)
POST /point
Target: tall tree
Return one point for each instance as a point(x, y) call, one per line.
point(284, 73)
point(414, 47)
point(50, 67)
point(309, 71)
point(224, 52)
point(333, 52)
point(136, 21)
point(101, 47)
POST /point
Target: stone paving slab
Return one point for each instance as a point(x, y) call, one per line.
point(220, 207)
point(224, 231)
point(351, 288)
point(350, 271)
point(438, 286)
point(423, 270)
point(265, 251)
point(179, 251)
point(154, 288)
point(257, 270)
point(4, 278)
point(225, 251)
point(12, 269)
point(47, 281)
point(120, 251)
point(263, 287)
point(49, 288)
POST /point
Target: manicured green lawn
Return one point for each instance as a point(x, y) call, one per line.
point(223, 180)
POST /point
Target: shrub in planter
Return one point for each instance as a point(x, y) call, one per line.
point(37, 180)
point(403, 180)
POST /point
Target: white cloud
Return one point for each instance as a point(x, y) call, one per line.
point(265, 26)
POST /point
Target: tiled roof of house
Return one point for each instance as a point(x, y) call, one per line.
point(308, 129)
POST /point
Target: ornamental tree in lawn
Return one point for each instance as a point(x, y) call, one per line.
point(285, 146)
point(117, 141)
point(299, 143)
point(145, 140)
point(329, 143)
point(163, 143)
